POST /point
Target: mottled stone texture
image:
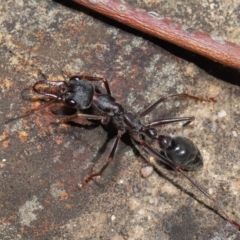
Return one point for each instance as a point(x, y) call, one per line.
point(42, 162)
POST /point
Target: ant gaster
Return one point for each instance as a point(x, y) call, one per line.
point(179, 152)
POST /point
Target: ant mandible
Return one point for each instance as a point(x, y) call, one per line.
point(179, 153)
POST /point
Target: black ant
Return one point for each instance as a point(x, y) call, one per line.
point(179, 152)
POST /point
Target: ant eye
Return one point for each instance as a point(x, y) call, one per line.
point(74, 78)
point(70, 102)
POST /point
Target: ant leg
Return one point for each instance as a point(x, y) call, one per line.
point(94, 79)
point(152, 106)
point(197, 98)
point(164, 98)
point(170, 120)
point(110, 158)
point(176, 167)
point(84, 116)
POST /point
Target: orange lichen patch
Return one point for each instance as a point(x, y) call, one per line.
point(4, 136)
point(6, 84)
point(23, 136)
point(9, 220)
point(23, 231)
point(58, 140)
point(64, 196)
point(35, 105)
point(60, 184)
point(68, 206)
point(39, 34)
point(6, 143)
point(47, 202)
point(1, 166)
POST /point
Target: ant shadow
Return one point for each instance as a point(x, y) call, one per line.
point(111, 133)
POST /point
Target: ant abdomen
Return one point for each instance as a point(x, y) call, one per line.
point(181, 151)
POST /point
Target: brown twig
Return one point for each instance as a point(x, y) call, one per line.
point(153, 24)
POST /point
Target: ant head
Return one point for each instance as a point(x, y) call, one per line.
point(77, 93)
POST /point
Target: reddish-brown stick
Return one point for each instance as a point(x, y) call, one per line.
point(153, 24)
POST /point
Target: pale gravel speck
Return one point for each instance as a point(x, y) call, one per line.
point(129, 153)
point(141, 212)
point(147, 171)
point(11, 106)
point(214, 127)
point(234, 133)
point(222, 114)
point(121, 181)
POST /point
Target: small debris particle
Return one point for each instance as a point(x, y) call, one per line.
point(113, 217)
point(214, 127)
point(121, 181)
point(23, 136)
point(141, 211)
point(222, 114)
point(234, 133)
point(210, 191)
point(6, 143)
point(147, 171)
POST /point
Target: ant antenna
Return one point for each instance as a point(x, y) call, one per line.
point(30, 111)
point(31, 51)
